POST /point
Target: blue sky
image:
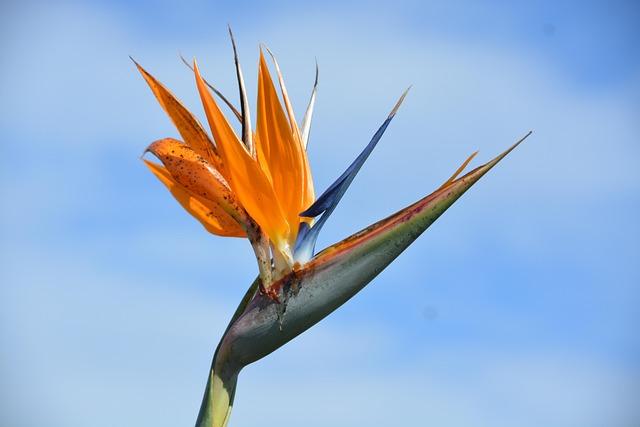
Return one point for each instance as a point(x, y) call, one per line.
point(518, 307)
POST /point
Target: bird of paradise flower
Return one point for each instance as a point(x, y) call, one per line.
point(259, 185)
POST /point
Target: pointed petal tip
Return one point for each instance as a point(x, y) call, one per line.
point(399, 103)
point(138, 66)
point(244, 100)
point(233, 39)
point(184, 61)
point(148, 150)
point(285, 95)
point(224, 99)
point(144, 153)
point(460, 169)
point(141, 69)
point(305, 126)
point(474, 175)
point(508, 150)
point(269, 51)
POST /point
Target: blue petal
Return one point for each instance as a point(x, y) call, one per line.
point(327, 202)
point(305, 243)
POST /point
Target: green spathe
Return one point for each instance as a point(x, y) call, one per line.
point(307, 295)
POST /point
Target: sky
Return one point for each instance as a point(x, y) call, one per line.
point(519, 306)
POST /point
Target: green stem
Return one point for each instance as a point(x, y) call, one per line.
point(218, 396)
point(221, 382)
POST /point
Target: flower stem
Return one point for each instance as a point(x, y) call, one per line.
point(218, 397)
point(217, 401)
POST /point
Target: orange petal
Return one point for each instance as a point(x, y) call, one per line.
point(249, 183)
point(280, 152)
point(459, 170)
point(188, 126)
point(217, 92)
point(193, 172)
point(211, 216)
point(285, 96)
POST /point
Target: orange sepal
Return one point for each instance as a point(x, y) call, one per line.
point(214, 219)
point(280, 152)
point(187, 125)
point(459, 170)
point(195, 174)
point(249, 183)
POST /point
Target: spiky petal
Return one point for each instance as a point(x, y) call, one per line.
point(214, 219)
point(327, 202)
point(247, 137)
point(216, 91)
point(249, 182)
point(188, 126)
point(280, 153)
point(308, 114)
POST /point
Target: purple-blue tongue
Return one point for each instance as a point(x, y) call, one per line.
point(327, 202)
